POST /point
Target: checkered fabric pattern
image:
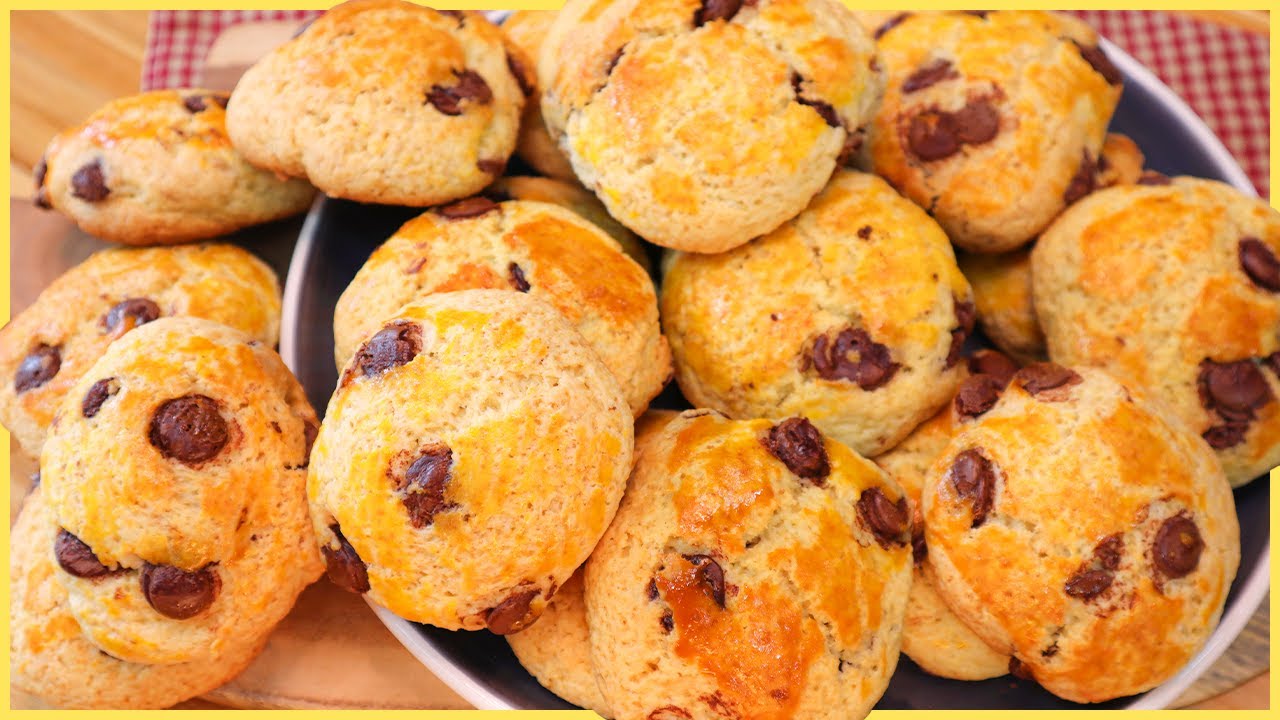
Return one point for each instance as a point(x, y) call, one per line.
point(1221, 72)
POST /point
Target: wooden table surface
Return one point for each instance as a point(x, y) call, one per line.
point(65, 64)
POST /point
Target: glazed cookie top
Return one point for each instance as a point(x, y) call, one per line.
point(50, 657)
point(571, 195)
point(703, 125)
point(531, 247)
point(853, 314)
point(175, 469)
point(526, 30)
point(158, 167)
point(992, 120)
point(45, 349)
point(724, 586)
point(402, 482)
point(1096, 600)
point(384, 101)
point(1177, 287)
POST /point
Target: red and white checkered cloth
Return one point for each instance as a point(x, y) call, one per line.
point(1221, 72)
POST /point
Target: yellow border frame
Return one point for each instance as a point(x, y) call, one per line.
point(551, 5)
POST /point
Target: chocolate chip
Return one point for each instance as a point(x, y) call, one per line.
point(424, 484)
point(494, 167)
point(1088, 584)
point(467, 208)
point(1227, 435)
point(1109, 551)
point(194, 103)
point(798, 444)
point(1041, 379)
point(823, 109)
point(1020, 670)
point(966, 314)
point(512, 615)
point(1151, 177)
point(919, 549)
point(1273, 362)
point(468, 85)
point(521, 74)
point(516, 277)
point(932, 136)
point(1234, 390)
point(1083, 182)
point(89, 184)
point(977, 394)
point(309, 432)
point(179, 594)
point(831, 360)
point(864, 232)
point(993, 363)
point(1260, 264)
point(651, 590)
point(1177, 546)
point(890, 24)
point(929, 75)
point(712, 10)
point(98, 393)
point(129, 314)
point(667, 621)
point(889, 521)
point(38, 367)
point(974, 478)
point(393, 345)
point(710, 576)
point(77, 558)
point(977, 122)
point(1099, 61)
point(343, 566)
point(188, 429)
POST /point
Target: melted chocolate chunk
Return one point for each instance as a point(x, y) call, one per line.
point(799, 445)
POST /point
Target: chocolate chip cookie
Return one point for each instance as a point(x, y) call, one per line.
point(467, 505)
point(853, 314)
point(384, 101)
point(1082, 528)
point(175, 470)
point(993, 121)
point(47, 346)
point(520, 246)
point(755, 569)
point(157, 169)
point(1177, 287)
point(526, 29)
point(51, 658)
point(701, 126)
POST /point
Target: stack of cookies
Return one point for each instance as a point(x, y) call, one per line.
point(856, 480)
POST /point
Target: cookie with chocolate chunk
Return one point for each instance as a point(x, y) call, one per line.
point(703, 125)
point(175, 471)
point(472, 455)
point(158, 169)
point(993, 121)
point(530, 247)
point(852, 314)
point(46, 347)
point(1177, 287)
point(384, 101)
point(557, 652)
point(755, 569)
point(1084, 529)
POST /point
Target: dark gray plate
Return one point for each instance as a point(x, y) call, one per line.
point(340, 235)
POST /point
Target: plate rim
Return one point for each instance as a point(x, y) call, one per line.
point(1251, 594)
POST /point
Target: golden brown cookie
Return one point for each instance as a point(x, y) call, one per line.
point(530, 247)
point(474, 452)
point(50, 657)
point(1175, 286)
point(47, 346)
point(175, 470)
point(384, 101)
point(1002, 295)
point(993, 121)
point(853, 314)
point(754, 570)
point(1078, 525)
point(703, 125)
point(157, 169)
